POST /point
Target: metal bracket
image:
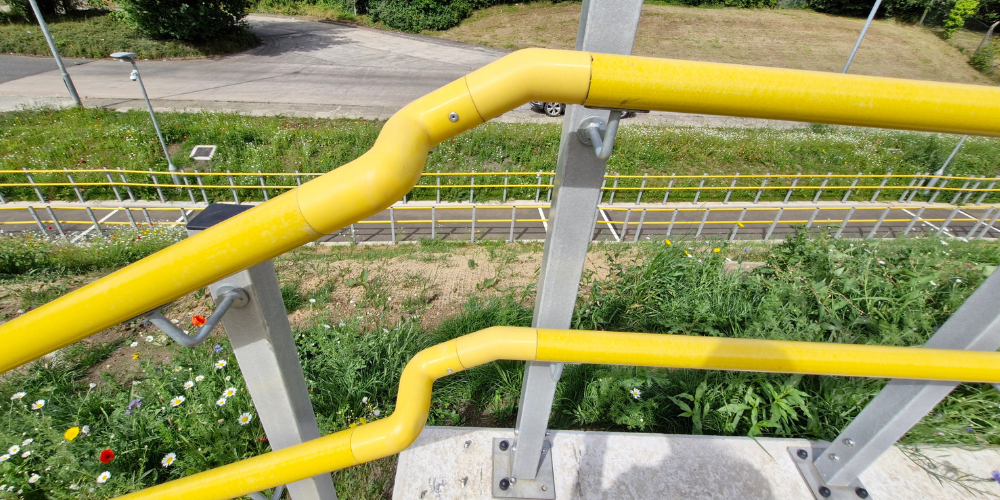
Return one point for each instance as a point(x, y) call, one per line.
point(804, 458)
point(506, 486)
point(232, 296)
point(591, 129)
point(260, 496)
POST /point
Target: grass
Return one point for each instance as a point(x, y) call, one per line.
point(95, 138)
point(785, 38)
point(95, 34)
point(810, 287)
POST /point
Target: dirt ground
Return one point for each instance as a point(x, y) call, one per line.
point(399, 281)
point(786, 38)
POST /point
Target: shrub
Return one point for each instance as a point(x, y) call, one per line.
point(962, 10)
point(188, 21)
point(50, 8)
point(983, 59)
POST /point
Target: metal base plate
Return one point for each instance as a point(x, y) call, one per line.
point(504, 486)
point(819, 488)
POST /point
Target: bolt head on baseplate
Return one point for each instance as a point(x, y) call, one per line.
point(803, 459)
point(507, 486)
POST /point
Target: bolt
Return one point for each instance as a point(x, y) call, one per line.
point(545, 488)
point(453, 116)
point(513, 480)
point(548, 433)
point(823, 492)
point(504, 484)
point(467, 443)
point(861, 492)
point(450, 370)
point(803, 454)
point(834, 457)
point(849, 442)
point(504, 445)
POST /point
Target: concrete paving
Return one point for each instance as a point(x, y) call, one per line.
point(303, 68)
point(451, 463)
point(13, 67)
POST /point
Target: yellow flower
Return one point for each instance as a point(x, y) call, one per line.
point(71, 433)
point(353, 425)
point(686, 253)
point(716, 250)
point(135, 356)
point(362, 420)
point(740, 224)
point(667, 242)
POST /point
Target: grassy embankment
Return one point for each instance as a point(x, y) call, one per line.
point(97, 138)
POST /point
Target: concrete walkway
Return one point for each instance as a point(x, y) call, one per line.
point(303, 68)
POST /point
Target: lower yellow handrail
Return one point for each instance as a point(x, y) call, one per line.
point(393, 434)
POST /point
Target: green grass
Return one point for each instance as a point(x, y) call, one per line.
point(96, 138)
point(96, 34)
point(814, 288)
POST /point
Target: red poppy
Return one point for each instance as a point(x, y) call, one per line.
point(107, 456)
point(197, 320)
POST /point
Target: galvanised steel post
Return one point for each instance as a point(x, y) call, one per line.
point(261, 338)
point(864, 30)
point(606, 26)
point(902, 403)
point(55, 53)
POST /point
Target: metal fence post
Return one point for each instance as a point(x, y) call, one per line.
point(472, 184)
point(864, 30)
point(506, 175)
point(433, 225)
point(72, 182)
point(701, 226)
point(31, 180)
point(843, 225)
point(975, 326)
point(986, 229)
point(201, 186)
point(881, 218)
point(97, 225)
point(392, 224)
point(673, 218)
point(982, 219)
point(915, 190)
point(628, 213)
point(913, 221)
point(606, 26)
point(232, 187)
point(513, 218)
point(821, 186)
point(880, 186)
point(538, 190)
point(128, 189)
point(853, 184)
point(906, 191)
point(958, 194)
point(773, 224)
point(159, 191)
point(938, 190)
point(38, 221)
point(263, 187)
point(187, 186)
point(730, 191)
point(638, 229)
point(670, 184)
point(973, 190)
point(472, 233)
point(761, 190)
point(55, 53)
point(614, 190)
point(638, 199)
point(55, 222)
point(262, 339)
point(944, 226)
point(438, 179)
point(795, 181)
point(982, 197)
point(697, 194)
point(739, 223)
point(812, 218)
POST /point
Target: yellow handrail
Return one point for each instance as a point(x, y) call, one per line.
point(393, 166)
point(393, 434)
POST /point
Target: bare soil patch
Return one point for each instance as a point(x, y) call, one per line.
point(785, 38)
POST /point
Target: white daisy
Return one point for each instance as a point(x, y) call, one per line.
point(174, 321)
point(85, 429)
point(199, 378)
point(133, 344)
point(220, 364)
point(26, 454)
point(312, 301)
point(18, 395)
point(635, 393)
point(227, 378)
point(245, 418)
point(3, 458)
point(149, 338)
point(103, 477)
point(37, 405)
point(176, 401)
point(377, 412)
point(34, 478)
point(169, 459)
point(74, 487)
point(14, 450)
point(177, 368)
point(221, 402)
point(189, 384)
point(92, 385)
point(27, 442)
point(230, 392)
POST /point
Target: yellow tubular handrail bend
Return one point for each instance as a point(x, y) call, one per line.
point(393, 434)
point(393, 166)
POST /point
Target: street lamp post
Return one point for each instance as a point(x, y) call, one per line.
point(129, 57)
point(55, 53)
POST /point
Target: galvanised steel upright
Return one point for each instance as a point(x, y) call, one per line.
point(606, 26)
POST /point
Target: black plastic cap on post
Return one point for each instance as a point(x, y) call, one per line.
point(214, 214)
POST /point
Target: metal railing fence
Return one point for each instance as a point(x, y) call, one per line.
point(206, 187)
point(624, 223)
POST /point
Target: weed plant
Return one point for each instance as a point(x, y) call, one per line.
point(95, 138)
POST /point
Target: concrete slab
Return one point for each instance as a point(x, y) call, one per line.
point(451, 463)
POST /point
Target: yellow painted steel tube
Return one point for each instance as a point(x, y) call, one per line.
point(787, 94)
point(393, 434)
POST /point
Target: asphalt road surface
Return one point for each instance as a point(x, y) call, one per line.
point(412, 222)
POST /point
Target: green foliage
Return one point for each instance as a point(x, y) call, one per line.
point(188, 21)
point(419, 15)
point(24, 253)
point(754, 4)
point(962, 10)
point(21, 9)
point(983, 59)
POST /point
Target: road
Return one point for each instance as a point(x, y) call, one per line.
point(303, 68)
point(413, 221)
